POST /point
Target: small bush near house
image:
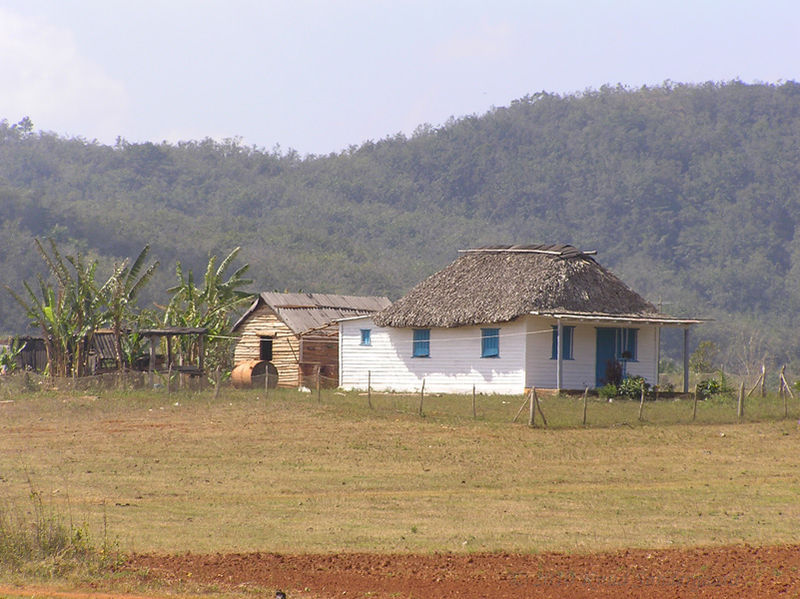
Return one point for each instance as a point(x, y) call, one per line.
point(633, 386)
point(608, 391)
point(709, 387)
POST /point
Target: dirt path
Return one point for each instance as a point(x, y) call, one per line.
point(739, 572)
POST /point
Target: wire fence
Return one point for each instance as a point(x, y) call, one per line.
point(736, 402)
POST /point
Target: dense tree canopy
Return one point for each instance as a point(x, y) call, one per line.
point(689, 192)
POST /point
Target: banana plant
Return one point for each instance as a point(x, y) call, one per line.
point(119, 296)
point(211, 306)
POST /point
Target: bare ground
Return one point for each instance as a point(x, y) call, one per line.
point(720, 572)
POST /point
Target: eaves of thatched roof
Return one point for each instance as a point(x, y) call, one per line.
point(500, 283)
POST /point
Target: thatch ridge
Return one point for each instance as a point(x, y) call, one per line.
point(505, 282)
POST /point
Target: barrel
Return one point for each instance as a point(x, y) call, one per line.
point(251, 374)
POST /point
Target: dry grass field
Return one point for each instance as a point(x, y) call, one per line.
point(187, 472)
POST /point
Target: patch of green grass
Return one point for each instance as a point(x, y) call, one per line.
point(37, 540)
point(290, 473)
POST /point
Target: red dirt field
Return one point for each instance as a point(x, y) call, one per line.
point(720, 572)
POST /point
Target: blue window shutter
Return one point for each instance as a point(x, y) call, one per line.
point(632, 345)
point(566, 346)
point(422, 343)
point(490, 343)
point(366, 336)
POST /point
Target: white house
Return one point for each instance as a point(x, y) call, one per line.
point(504, 319)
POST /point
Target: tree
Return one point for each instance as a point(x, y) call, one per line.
point(67, 314)
point(209, 307)
point(703, 359)
point(119, 297)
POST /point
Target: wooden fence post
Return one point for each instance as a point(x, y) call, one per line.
point(319, 395)
point(532, 410)
point(763, 379)
point(522, 407)
point(585, 396)
point(740, 403)
point(785, 391)
point(641, 404)
point(369, 389)
point(694, 403)
point(421, 397)
point(539, 407)
point(474, 412)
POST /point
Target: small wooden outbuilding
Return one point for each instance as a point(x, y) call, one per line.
point(298, 333)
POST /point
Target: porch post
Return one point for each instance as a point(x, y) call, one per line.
point(151, 366)
point(686, 360)
point(559, 348)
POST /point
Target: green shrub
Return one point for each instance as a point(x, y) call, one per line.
point(632, 387)
point(608, 391)
point(708, 387)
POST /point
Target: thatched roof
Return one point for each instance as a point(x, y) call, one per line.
point(500, 283)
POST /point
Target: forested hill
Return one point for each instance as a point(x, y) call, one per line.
point(689, 192)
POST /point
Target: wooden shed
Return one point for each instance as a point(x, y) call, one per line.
point(298, 333)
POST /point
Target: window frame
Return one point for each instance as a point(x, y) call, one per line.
point(421, 343)
point(366, 337)
point(567, 345)
point(265, 341)
point(490, 342)
point(628, 341)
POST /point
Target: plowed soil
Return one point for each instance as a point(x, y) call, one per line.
point(739, 571)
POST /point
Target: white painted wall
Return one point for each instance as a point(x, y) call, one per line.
point(454, 365)
point(647, 364)
point(579, 372)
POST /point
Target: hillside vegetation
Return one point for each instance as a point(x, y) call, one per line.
point(689, 192)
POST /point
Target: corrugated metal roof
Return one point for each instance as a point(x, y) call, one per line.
point(308, 311)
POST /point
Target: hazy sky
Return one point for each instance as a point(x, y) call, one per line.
point(320, 76)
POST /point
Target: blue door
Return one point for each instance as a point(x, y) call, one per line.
point(606, 351)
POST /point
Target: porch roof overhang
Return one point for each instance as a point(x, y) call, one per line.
point(655, 319)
